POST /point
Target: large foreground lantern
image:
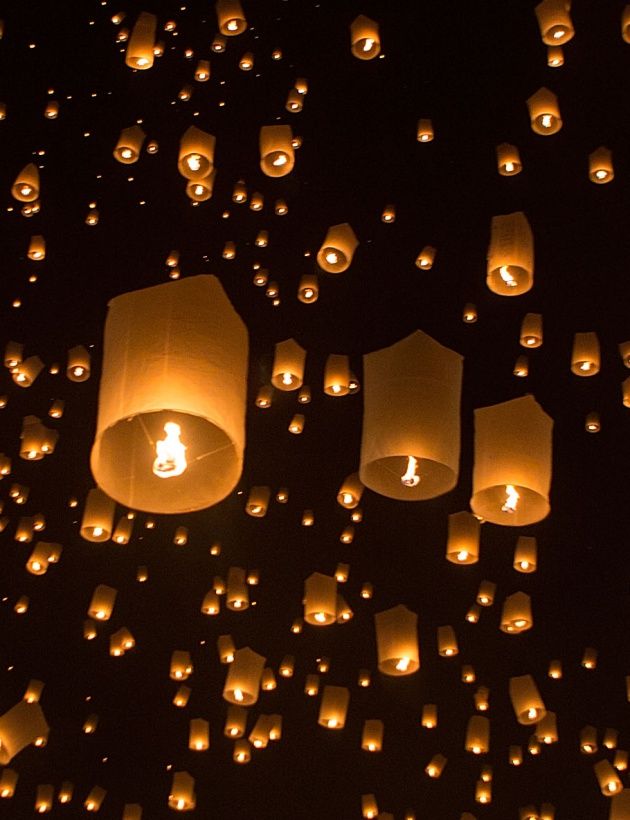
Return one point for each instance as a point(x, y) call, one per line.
point(171, 422)
point(554, 20)
point(411, 420)
point(512, 472)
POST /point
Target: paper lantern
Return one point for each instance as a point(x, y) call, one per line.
point(210, 604)
point(129, 145)
point(21, 726)
point(181, 667)
point(202, 72)
point(512, 471)
point(311, 685)
point(235, 721)
point(230, 18)
point(516, 616)
point(8, 782)
point(265, 394)
point(288, 365)
point(257, 201)
point(243, 678)
point(411, 419)
point(592, 423)
point(320, 599)
point(21, 605)
point(369, 806)
point(424, 131)
point(531, 330)
point(37, 248)
point(350, 492)
point(26, 185)
point(554, 21)
point(544, 113)
point(588, 740)
point(620, 804)
point(132, 811)
point(98, 516)
point(287, 666)
point(625, 23)
point(280, 207)
point(389, 214)
point(78, 369)
point(37, 441)
point(364, 678)
point(611, 737)
point(483, 792)
point(364, 38)
point(508, 160)
point(468, 674)
point(175, 362)
point(24, 530)
point(526, 701)
point(334, 707)
point(608, 779)
point(429, 716)
point(13, 354)
point(600, 166)
point(237, 594)
point(102, 603)
point(33, 691)
point(242, 751)
point(435, 766)
point(469, 313)
point(528, 813)
point(521, 367)
point(555, 56)
point(196, 154)
point(525, 554)
point(337, 375)
point(44, 798)
point(277, 157)
point(124, 528)
point(462, 546)
point(620, 761)
point(94, 799)
point(344, 610)
point(39, 558)
point(447, 641)
point(397, 641)
point(182, 794)
point(515, 756)
point(589, 658)
point(337, 250)
point(198, 735)
point(200, 190)
point(372, 736)
point(181, 696)
point(478, 735)
point(56, 408)
point(510, 269)
point(295, 101)
point(139, 53)
point(27, 371)
point(555, 669)
point(426, 258)
point(585, 357)
point(258, 501)
point(308, 288)
point(625, 392)
point(547, 730)
point(89, 630)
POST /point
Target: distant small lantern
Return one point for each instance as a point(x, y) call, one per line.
point(592, 423)
point(435, 766)
point(478, 735)
point(447, 642)
point(585, 358)
point(526, 701)
point(308, 288)
point(469, 313)
point(555, 56)
point(372, 736)
point(129, 145)
point(547, 730)
point(196, 154)
point(258, 501)
point(337, 375)
point(288, 365)
point(320, 599)
point(337, 250)
point(589, 658)
point(429, 718)
point(531, 330)
point(79, 367)
point(397, 641)
point(295, 101)
point(8, 782)
point(521, 367)
point(462, 546)
point(508, 160)
point(525, 554)
point(230, 17)
point(277, 157)
point(226, 648)
point(389, 214)
point(141, 43)
point(544, 113)
point(350, 492)
point(426, 258)
point(202, 72)
point(237, 593)
point(365, 38)
point(600, 166)
point(182, 696)
point(424, 131)
point(486, 592)
point(554, 20)
point(199, 735)
point(37, 249)
point(510, 268)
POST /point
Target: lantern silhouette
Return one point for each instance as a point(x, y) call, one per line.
point(196, 154)
point(526, 701)
point(508, 160)
point(141, 43)
point(333, 707)
point(98, 516)
point(600, 166)
point(512, 471)
point(397, 641)
point(585, 357)
point(277, 157)
point(175, 361)
point(510, 269)
point(129, 145)
point(364, 38)
point(230, 18)
point(337, 250)
point(554, 21)
point(288, 365)
point(242, 683)
point(544, 113)
point(26, 185)
point(19, 727)
point(516, 616)
point(37, 248)
point(462, 546)
point(411, 420)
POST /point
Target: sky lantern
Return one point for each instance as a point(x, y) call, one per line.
point(554, 20)
point(19, 727)
point(230, 17)
point(337, 250)
point(365, 38)
point(510, 270)
point(139, 53)
point(276, 150)
point(397, 641)
point(544, 112)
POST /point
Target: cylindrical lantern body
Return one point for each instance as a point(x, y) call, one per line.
point(182, 795)
point(364, 38)
point(102, 603)
point(141, 43)
point(8, 782)
point(526, 554)
point(196, 154)
point(243, 678)
point(544, 112)
point(526, 701)
point(258, 501)
point(447, 641)
point(411, 419)
point(462, 546)
point(532, 330)
point(372, 736)
point(397, 641)
point(94, 799)
point(98, 516)
point(37, 249)
point(334, 707)
point(123, 530)
point(585, 358)
point(78, 369)
point(478, 735)
point(181, 666)
point(129, 145)
point(277, 157)
point(424, 130)
point(512, 471)
point(516, 616)
point(182, 696)
point(288, 365)
point(508, 160)
point(235, 721)
point(554, 21)
point(26, 185)
point(27, 371)
point(175, 354)
point(337, 250)
point(350, 492)
point(600, 166)
point(369, 807)
point(337, 375)
point(19, 727)
point(547, 729)
point(198, 735)
point(320, 599)
point(230, 17)
point(588, 740)
point(608, 779)
point(200, 190)
point(429, 716)
point(308, 288)
point(510, 268)
point(237, 593)
point(435, 766)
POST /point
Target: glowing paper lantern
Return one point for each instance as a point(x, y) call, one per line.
point(129, 145)
point(102, 602)
point(37, 248)
point(608, 779)
point(141, 43)
point(555, 56)
point(277, 157)
point(337, 250)
point(435, 766)
point(547, 730)
point(620, 804)
point(585, 357)
point(27, 371)
point(22, 725)
point(508, 160)
point(447, 642)
point(600, 166)
point(397, 641)
point(182, 794)
point(424, 131)
point(44, 798)
point(554, 21)
point(175, 362)
point(516, 616)
point(288, 365)
point(510, 269)
point(526, 701)
point(78, 369)
point(462, 546)
point(196, 154)
point(478, 735)
point(372, 736)
point(364, 38)
point(230, 18)
point(258, 501)
point(198, 735)
point(625, 24)
point(426, 258)
point(429, 716)
point(98, 516)
point(320, 599)
point(544, 113)
point(531, 330)
point(94, 799)
point(512, 471)
point(525, 554)
point(411, 420)
point(588, 740)
point(235, 721)
point(334, 707)
point(26, 185)
point(243, 678)
point(369, 806)
point(337, 375)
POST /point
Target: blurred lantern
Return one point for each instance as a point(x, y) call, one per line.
point(89, 630)
point(397, 641)
point(337, 250)
point(411, 419)
point(389, 214)
point(531, 330)
point(44, 798)
point(525, 554)
point(585, 358)
point(129, 145)
point(547, 730)
point(13, 354)
point(544, 113)
point(424, 131)
point(181, 667)
point(26, 185)
point(196, 154)
point(33, 691)
point(515, 756)
point(235, 721)
point(521, 367)
point(624, 352)
point(37, 249)
point(554, 21)
point(124, 528)
point(372, 736)
point(429, 716)
point(259, 735)
point(589, 658)
point(592, 423)
point(320, 599)
point(258, 501)
point(468, 674)
point(24, 530)
point(230, 17)
point(37, 441)
point(78, 369)
point(243, 678)
point(528, 813)
point(182, 794)
point(600, 166)
point(181, 536)
point(181, 696)
point(510, 269)
point(218, 44)
point(268, 680)
point(555, 56)
point(508, 160)
point(350, 492)
point(295, 101)
point(625, 392)
point(56, 409)
point(202, 72)
point(22, 725)
point(175, 362)
point(334, 707)
point(364, 678)
point(425, 258)
point(347, 535)
point(200, 190)
point(198, 735)
point(288, 365)
point(280, 207)
point(608, 779)
point(242, 751)
point(478, 735)
point(588, 740)
point(367, 590)
point(516, 616)
point(264, 396)
point(8, 782)
point(472, 616)
point(369, 806)
point(526, 701)
point(132, 811)
point(620, 761)
point(469, 313)
point(27, 371)
point(435, 766)
point(337, 375)
point(94, 799)
point(210, 604)
point(98, 516)
point(512, 470)
point(447, 642)
point(483, 792)
point(555, 669)
point(90, 724)
point(256, 202)
point(311, 685)
point(226, 648)
point(140, 46)
point(276, 151)
point(462, 546)
point(364, 38)
point(610, 740)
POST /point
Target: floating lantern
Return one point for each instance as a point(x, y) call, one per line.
point(337, 250)
point(320, 599)
point(21, 726)
point(226, 648)
point(589, 658)
point(469, 313)
point(129, 145)
point(8, 782)
point(462, 546)
point(78, 369)
point(140, 46)
point(258, 501)
point(478, 735)
point(508, 160)
point(516, 616)
point(531, 330)
point(608, 779)
point(525, 554)
point(411, 419)
point(435, 766)
point(288, 365)
point(237, 594)
point(202, 72)
point(44, 798)
point(196, 154)
point(337, 375)
point(426, 258)
point(526, 701)
point(243, 678)
point(397, 641)
point(235, 721)
point(334, 707)
point(585, 357)
point(447, 642)
point(27, 371)
point(429, 716)
point(199, 735)
point(124, 528)
point(277, 157)
point(308, 288)
point(230, 17)
point(37, 249)
point(94, 799)
point(182, 794)
point(547, 730)
point(544, 113)
point(510, 269)
point(424, 131)
point(26, 185)
point(364, 38)
point(554, 21)
point(98, 516)
point(372, 736)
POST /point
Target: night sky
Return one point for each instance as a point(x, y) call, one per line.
point(469, 67)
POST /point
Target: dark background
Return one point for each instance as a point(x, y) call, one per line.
point(470, 67)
